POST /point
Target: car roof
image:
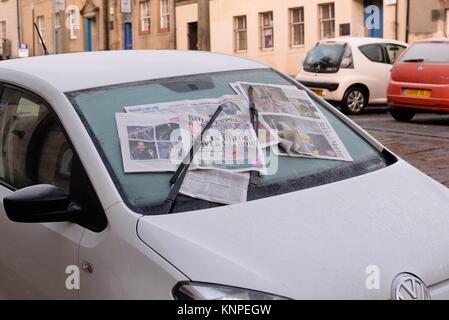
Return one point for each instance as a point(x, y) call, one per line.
point(363, 40)
point(78, 71)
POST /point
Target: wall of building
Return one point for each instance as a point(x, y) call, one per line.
point(94, 9)
point(8, 13)
point(282, 56)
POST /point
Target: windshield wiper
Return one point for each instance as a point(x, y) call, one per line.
point(180, 174)
point(413, 60)
point(254, 117)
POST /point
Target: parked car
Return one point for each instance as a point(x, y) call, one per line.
point(420, 80)
point(312, 230)
point(351, 72)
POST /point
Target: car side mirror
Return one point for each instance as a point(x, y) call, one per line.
point(41, 203)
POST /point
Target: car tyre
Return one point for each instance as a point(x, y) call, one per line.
point(402, 115)
point(355, 100)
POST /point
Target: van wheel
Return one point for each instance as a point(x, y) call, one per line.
point(354, 101)
point(402, 115)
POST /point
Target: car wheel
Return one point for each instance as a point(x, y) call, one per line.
point(402, 115)
point(354, 101)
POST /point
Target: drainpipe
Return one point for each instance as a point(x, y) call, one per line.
point(106, 24)
point(407, 23)
point(396, 19)
point(173, 36)
point(19, 21)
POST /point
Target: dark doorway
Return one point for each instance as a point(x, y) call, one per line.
point(193, 35)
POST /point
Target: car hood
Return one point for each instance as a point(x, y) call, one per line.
point(322, 242)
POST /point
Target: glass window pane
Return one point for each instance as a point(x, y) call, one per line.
point(34, 148)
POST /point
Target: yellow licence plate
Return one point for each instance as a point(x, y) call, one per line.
point(318, 92)
point(417, 93)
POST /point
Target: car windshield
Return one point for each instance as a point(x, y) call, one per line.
point(143, 192)
point(434, 52)
point(324, 58)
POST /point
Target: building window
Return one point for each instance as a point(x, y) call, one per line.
point(266, 30)
point(165, 15)
point(41, 27)
point(327, 20)
point(240, 34)
point(74, 23)
point(145, 16)
point(296, 27)
point(3, 29)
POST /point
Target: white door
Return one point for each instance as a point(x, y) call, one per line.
point(374, 71)
point(33, 256)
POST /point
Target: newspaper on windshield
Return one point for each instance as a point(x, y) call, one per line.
point(234, 105)
point(157, 141)
point(216, 186)
point(151, 142)
point(302, 129)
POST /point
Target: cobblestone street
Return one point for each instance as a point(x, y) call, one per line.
point(424, 142)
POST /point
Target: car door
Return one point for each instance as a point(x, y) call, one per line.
point(375, 71)
point(34, 257)
point(393, 52)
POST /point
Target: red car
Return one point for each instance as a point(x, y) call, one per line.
point(420, 80)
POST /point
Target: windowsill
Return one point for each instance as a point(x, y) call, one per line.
point(299, 46)
point(267, 49)
point(164, 30)
point(144, 33)
point(240, 51)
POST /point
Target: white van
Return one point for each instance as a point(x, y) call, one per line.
point(352, 72)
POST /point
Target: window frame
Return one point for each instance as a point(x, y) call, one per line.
point(100, 216)
point(237, 31)
point(163, 15)
point(3, 29)
point(322, 20)
point(292, 25)
point(383, 51)
point(143, 18)
point(263, 28)
point(41, 28)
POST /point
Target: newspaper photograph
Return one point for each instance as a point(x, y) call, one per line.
point(302, 129)
point(216, 186)
point(280, 99)
point(150, 143)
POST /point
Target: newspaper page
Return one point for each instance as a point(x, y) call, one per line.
point(151, 143)
point(216, 186)
point(233, 105)
point(302, 129)
point(231, 144)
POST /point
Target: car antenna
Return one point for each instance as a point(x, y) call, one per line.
point(42, 40)
point(254, 117)
point(178, 178)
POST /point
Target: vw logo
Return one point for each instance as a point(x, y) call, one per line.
point(409, 287)
point(420, 69)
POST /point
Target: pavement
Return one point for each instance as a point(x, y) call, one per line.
point(424, 142)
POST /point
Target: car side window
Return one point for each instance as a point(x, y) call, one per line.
point(393, 52)
point(374, 52)
point(33, 148)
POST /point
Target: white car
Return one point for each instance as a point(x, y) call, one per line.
point(374, 228)
point(352, 72)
